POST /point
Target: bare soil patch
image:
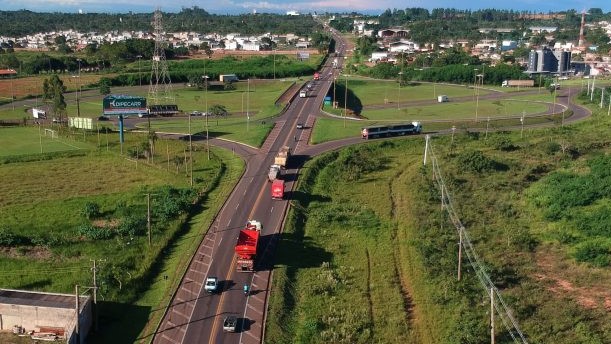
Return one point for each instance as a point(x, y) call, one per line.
point(589, 287)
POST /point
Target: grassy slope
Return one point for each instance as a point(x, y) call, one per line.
point(44, 200)
point(552, 296)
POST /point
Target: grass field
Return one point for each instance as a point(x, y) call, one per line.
point(44, 203)
point(32, 140)
point(371, 91)
point(366, 222)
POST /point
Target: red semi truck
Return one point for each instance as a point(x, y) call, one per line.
point(316, 76)
point(278, 189)
point(246, 247)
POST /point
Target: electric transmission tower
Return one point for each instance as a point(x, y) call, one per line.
point(160, 88)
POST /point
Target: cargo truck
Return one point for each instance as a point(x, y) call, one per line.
point(518, 83)
point(274, 172)
point(303, 94)
point(282, 157)
point(278, 189)
point(316, 76)
point(246, 246)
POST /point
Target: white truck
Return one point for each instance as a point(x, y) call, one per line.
point(303, 94)
point(228, 78)
point(442, 99)
point(40, 114)
point(274, 172)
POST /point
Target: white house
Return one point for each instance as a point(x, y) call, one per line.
point(378, 55)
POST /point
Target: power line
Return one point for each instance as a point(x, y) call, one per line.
point(504, 312)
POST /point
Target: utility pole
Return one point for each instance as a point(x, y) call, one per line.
point(148, 216)
point(95, 294)
point(139, 70)
point(460, 253)
point(206, 109)
point(191, 152)
point(491, 315)
point(522, 121)
point(399, 92)
point(487, 125)
point(346, 100)
point(77, 325)
point(248, 105)
point(78, 89)
point(426, 147)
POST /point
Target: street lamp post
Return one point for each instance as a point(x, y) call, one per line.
point(248, 105)
point(274, 63)
point(139, 70)
point(206, 113)
point(346, 100)
point(78, 89)
point(399, 92)
point(522, 121)
point(481, 80)
point(334, 82)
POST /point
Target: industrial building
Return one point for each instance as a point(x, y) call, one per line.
point(45, 313)
point(549, 61)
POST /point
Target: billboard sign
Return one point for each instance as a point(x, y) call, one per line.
point(80, 122)
point(124, 105)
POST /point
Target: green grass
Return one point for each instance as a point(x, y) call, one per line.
point(345, 287)
point(342, 211)
point(371, 91)
point(44, 201)
point(30, 140)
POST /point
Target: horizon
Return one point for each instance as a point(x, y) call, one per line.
point(230, 7)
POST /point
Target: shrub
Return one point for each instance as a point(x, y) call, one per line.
point(475, 161)
point(91, 210)
point(132, 225)
point(10, 239)
point(595, 251)
point(503, 144)
point(94, 233)
point(551, 148)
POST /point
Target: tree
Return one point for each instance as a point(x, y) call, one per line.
point(53, 91)
point(218, 110)
point(105, 86)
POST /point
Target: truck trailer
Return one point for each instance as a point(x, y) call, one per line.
point(274, 172)
point(246, 246)
point(518, 83)
point(278, 189)
point(282, 157)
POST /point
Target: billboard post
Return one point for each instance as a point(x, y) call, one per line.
point(119, 105)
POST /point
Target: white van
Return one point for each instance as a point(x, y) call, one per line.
point(442, 99)
point(303, 94)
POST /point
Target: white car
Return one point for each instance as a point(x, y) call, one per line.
point(211, 285)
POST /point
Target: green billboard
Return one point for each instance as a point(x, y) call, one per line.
point(124, 105)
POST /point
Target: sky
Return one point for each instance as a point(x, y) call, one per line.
point(304, 6)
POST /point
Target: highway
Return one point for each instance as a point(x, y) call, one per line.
point(194, 316)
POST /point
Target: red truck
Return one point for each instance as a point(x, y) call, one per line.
point(246, 247)
point(316, 76)
point(278, 189)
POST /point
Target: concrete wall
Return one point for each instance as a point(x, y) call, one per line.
point(29, 317)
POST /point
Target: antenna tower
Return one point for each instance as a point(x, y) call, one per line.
point(161, 85)
point(581, 36)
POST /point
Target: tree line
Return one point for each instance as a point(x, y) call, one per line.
point(24, 22)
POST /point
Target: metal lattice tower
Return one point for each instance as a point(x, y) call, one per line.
point(160, 88)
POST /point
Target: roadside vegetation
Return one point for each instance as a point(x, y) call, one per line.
point(537, 211)
point(63, 209)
